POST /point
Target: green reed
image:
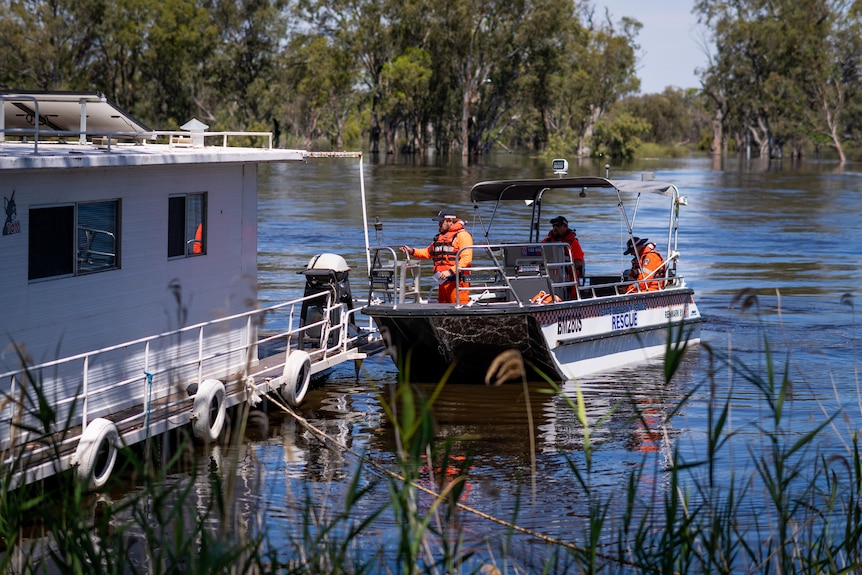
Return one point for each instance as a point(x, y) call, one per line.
point(166, 526)
point(791, 507)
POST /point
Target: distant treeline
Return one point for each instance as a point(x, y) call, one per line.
point(460, 76)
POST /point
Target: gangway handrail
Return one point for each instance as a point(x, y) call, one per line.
point(202, 329)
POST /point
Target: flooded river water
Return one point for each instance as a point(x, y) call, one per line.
point(790, 233)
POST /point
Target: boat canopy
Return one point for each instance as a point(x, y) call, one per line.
point(524, 190)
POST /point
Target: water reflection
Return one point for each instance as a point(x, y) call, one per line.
point(493, 428)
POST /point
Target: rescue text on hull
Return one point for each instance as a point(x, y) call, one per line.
point(537, 296)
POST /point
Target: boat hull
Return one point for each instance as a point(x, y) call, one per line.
point(562, 341)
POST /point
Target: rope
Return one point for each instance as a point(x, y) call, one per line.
point(548, 539)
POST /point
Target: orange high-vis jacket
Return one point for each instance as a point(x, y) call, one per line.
point(444, 247)
point(442, 250)
point(650, 261)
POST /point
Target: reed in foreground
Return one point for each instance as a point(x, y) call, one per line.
point(772, 494)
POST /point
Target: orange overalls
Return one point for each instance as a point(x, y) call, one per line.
point(442, 250)
point(650, 261)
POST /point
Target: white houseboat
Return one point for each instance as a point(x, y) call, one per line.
point(130, 285)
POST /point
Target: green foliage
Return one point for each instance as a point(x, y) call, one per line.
point(676, 117)
point(619, 137)
point(785, 74)
point(783, 77)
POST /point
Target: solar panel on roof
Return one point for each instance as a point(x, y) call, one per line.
point(63, 111)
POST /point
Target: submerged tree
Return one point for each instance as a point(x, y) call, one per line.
point(783, 70)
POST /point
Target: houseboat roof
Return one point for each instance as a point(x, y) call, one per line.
point(21, 155)
point(61, 130)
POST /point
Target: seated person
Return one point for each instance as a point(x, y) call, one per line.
point(647, 263)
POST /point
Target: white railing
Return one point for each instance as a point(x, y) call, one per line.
point(503, 273)
point(126, 380)
point(109, 138)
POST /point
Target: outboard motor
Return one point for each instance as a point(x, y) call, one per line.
point(325, 274)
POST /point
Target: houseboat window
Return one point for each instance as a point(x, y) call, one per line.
point(52, 234)
point(187, 225)
point(73, 239)
point(97, 236)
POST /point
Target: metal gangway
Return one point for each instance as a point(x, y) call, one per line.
point(78, 410)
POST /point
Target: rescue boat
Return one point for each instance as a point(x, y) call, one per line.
point(525, 294)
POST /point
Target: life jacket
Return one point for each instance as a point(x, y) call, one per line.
point(545, 297)
point(443, 248)
point(198, 244)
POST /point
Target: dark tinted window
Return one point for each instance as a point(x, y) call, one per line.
point(51, 242)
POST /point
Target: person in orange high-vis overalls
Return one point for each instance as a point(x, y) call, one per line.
point(443, 250)
point(647, 263)
point(560, 232)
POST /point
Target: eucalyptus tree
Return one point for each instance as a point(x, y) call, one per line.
point(676, 116)
point(746, 34)
point(783, 70)
point(405, 93)
point(243, 70)
point(44, 44)
point(598, 69)
point(518, 94)
point(175, 81)
point(363, 29)
point(831, 73)
point(148, 55)
point(321, 80)
point(118, 43)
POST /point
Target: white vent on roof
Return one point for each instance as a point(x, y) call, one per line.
point(197, 128)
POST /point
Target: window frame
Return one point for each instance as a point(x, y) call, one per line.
point(42, 256)
point(192, 213)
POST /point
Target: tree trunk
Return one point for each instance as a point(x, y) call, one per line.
point(465, 123)
point(715, 148)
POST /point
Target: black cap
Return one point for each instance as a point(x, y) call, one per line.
point(560, 220)
point(639, 242)
point(443, 214)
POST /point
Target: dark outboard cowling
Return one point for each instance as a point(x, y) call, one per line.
point(325, 273)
